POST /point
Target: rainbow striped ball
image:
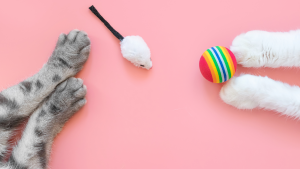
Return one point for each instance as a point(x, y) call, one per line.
point(217, 64)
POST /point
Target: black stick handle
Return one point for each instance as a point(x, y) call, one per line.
point(113, 31)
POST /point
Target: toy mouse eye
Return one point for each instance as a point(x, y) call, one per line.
point(142, 65)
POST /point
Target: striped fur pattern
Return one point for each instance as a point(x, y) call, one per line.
point(48, 98)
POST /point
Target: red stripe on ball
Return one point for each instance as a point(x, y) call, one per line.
point(204, 69)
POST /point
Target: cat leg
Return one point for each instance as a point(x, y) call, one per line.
point(19, 101)
point(249, 92)
point(267, 49)
point(33, 149)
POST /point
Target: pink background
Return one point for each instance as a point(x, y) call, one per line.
point(170, 116)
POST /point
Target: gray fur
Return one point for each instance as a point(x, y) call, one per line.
point(42, 113)
point(53, 109)
point(38, 132)
point(63, 63)
point(68, 98)
point(38, 84)
point(49, 98)
point(56, 78)
point(26, 87)
point(15, 165)
point(41, 153)
point(10, 104)
point(10, 122)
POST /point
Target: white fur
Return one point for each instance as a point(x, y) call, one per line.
point(135, 49)
point(249, 92)
point(267, 49)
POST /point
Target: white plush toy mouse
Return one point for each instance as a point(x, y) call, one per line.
point(133, 48)
point(264, 49)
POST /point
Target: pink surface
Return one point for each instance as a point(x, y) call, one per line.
point(170, 116)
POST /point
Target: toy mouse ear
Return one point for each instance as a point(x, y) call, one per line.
point(133, 48)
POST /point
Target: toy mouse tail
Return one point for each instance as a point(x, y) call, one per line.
point(112, 30)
